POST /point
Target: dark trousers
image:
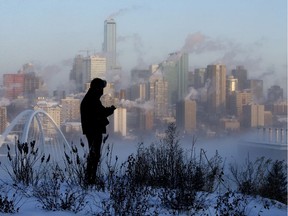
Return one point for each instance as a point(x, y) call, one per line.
point(94, 142)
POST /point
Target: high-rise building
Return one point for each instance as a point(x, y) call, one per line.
point(95, 66)
point(25, 83)
point(76, 73)
point(70, 110)
point(237, 100)
point(3, 119)
point(216, 93)
point(256, 87)
point(240, 73)
point(186, 115)
point(231, 84)
point(254, 115)
point(159, 94)
point(31, 84)
point(13, 85)
point(109, 45)
point(199, 77)
point(120, 121)
point(231, 88)
point(175, 70)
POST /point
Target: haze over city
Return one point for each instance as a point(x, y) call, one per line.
point(49, 34)
point(179, 105)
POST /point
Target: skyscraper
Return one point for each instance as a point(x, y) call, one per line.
point(216, 74)
point(199, 77)
point(175, 70)
point(159, 94)
point(94, 66)
point(240, 73)
point(256, 87)
point(76, 73)
point(109, 45)
point(237, 100)
point(231, 88)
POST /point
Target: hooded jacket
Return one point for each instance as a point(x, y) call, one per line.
point(93, 113)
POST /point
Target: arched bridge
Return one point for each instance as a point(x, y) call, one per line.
point(38, 126)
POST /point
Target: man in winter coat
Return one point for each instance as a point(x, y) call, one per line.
point(94, 121)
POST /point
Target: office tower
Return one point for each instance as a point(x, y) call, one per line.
point(109, 45)
point(175, 70)
point(256, 87)
point(94, 66)
point(240, 73)
point(25, 83)
point(13, 85)
point(237, 100)
point(254, 115)
point(120, 121)
point(76, 74)
point(3, 119)
point(231, 87)
point(186, 115)
point(70, 110)
point(231, 84)
point(200, 77)
point(275, 94)
point(31, 84)
point(216, 93)
point(158, 88)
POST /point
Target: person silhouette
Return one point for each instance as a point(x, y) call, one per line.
point(94, 121)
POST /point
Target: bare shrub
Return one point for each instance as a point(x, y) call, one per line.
point(262, 177)
point(53, 194)
point(27, 165)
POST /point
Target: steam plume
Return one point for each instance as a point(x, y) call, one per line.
point(199, 43)
point(147, 105)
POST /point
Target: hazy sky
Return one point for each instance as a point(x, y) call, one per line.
point(49, 33)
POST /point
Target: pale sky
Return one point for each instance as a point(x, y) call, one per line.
point(50, 33)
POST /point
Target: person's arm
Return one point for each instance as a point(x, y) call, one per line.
point(109, 110)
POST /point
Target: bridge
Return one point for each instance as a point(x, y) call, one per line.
point(38, 126)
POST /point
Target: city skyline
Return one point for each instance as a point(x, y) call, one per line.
point(50, 34)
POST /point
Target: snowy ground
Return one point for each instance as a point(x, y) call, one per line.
point(227, 148)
